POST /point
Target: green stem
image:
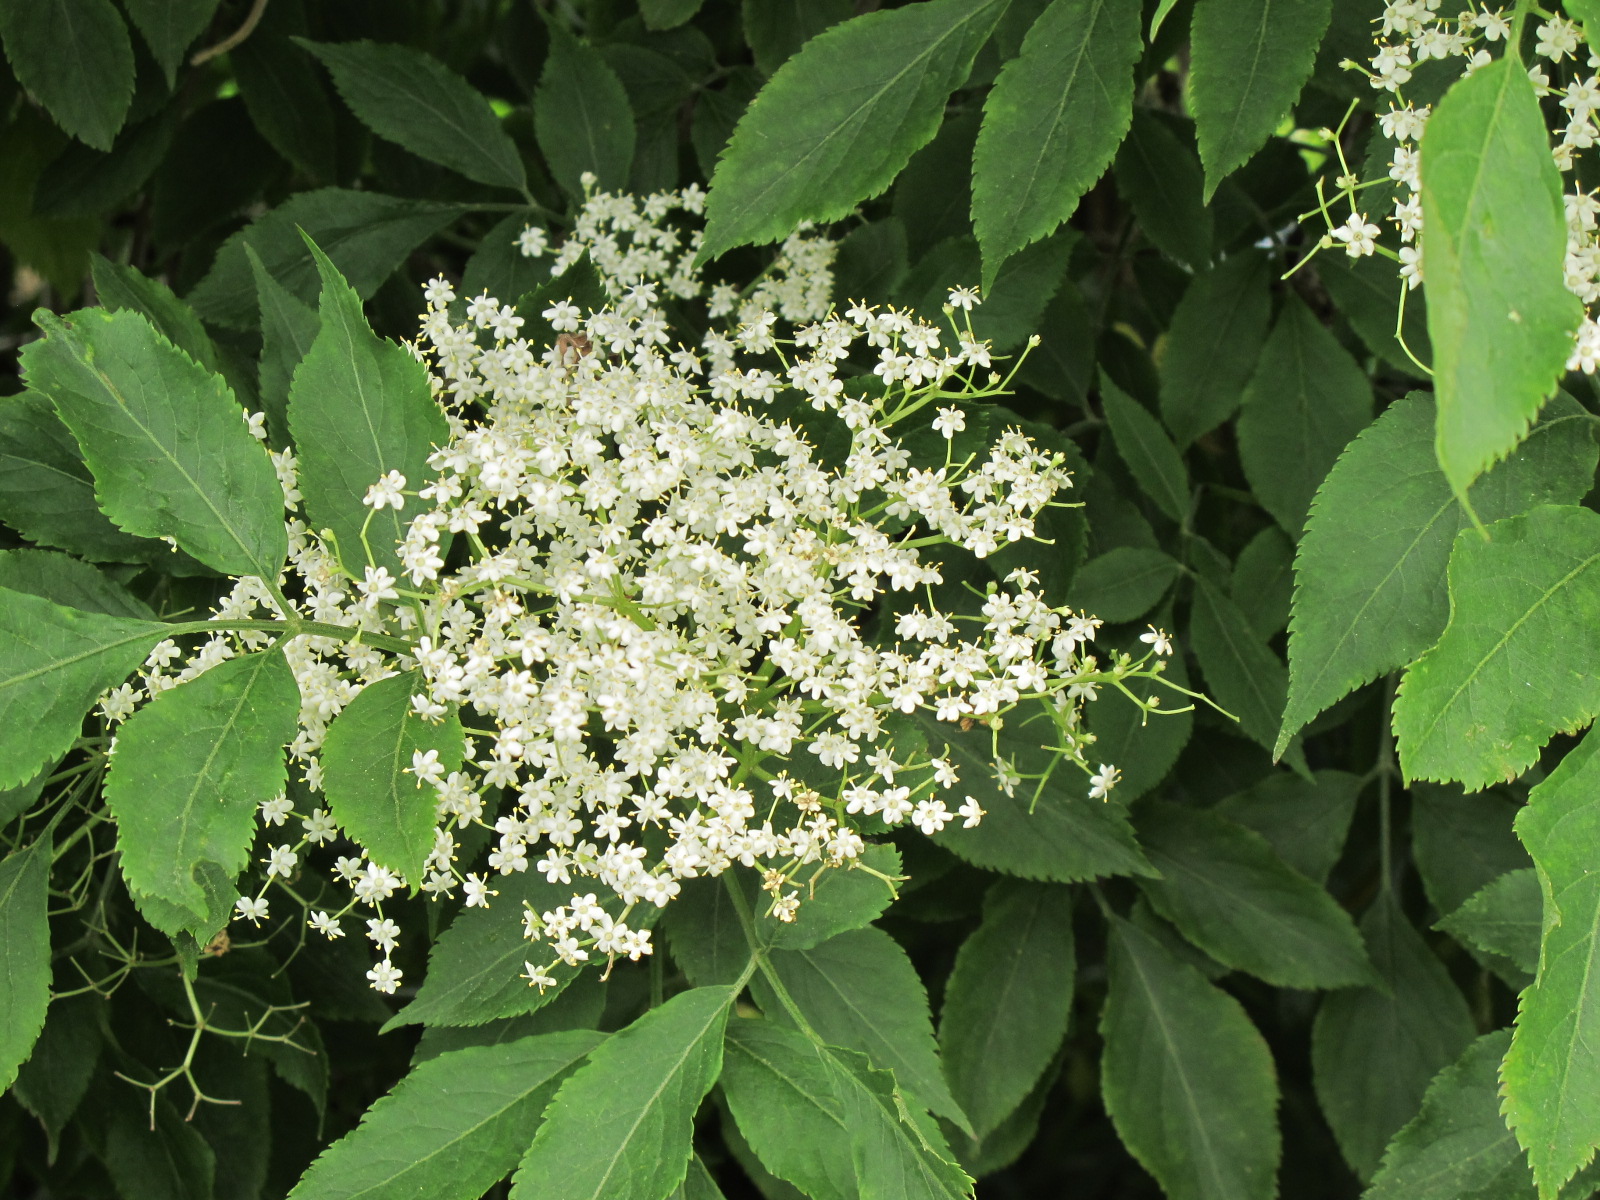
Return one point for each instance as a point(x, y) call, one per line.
point(758, 960)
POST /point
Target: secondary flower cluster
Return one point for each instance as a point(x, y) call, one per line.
point(681, 596)
point(1410, 34)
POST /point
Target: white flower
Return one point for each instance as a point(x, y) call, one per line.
point(1359, 237)
point(253, 909)
point(387, 492)
point(950, 422)
point(1157, 640)
point(1101, 783)
point(533, 241)
point(281, 861)
point(384, 932)
point(378, 585)
point(276, 810)
point(971, 813)
point(320, 827)
point(327, 926)
point(964, 298)
point(477, 892)
point(256, 423)
point(385, 977)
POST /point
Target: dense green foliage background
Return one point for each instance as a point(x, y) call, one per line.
point(1302, 975)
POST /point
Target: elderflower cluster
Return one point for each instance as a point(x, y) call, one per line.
point(1410, 33)
point(681, 596)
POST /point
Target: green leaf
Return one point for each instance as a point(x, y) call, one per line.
point(499, 267)
point(52, 1082)
point(24, 953)
point(581, 115)
point(366, 767)
point(668, 14)
point(1231, 895)
point(1458, 1144)
point(781, 1092)
point(366, 235)
point(1370, 576)
point(1305, 821)
point(1504, 918)
point(840, 119)
point(1016, 298)
point(1211, 350)
point(1373, 1052)
point(620, 1128)
point(1122, 584)
point(1479, 705)
point(1307, 399)
point(1007, 1000)
point(57, 662)
point(1242, 673)
point(1159, 176)
point(190, 768)
point(46, 492)
point(475, 966)
point(288, 328)
point(360, 406)
point(1494, 237)
point(165, 439)
point(707, 938)
point(579, 1005)
point(64, 580)
point(1250, 60)
point(698, 1184)
point(898, 1154)
point(1551, 1077)
point(860, 991)
point(1052, 123)
point(411, 1144)
point(284, 94)
point(170, 28)
point(1463, 842)
point(414, 100)
point(1188, 1081)
point(1145, 447)
point(1063, 837)
point(76, 58)
point(119, 287)
point(1143, 747)
point(152, 1153)
point(1263, 582)
point(841, 900)
point(775, 29)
